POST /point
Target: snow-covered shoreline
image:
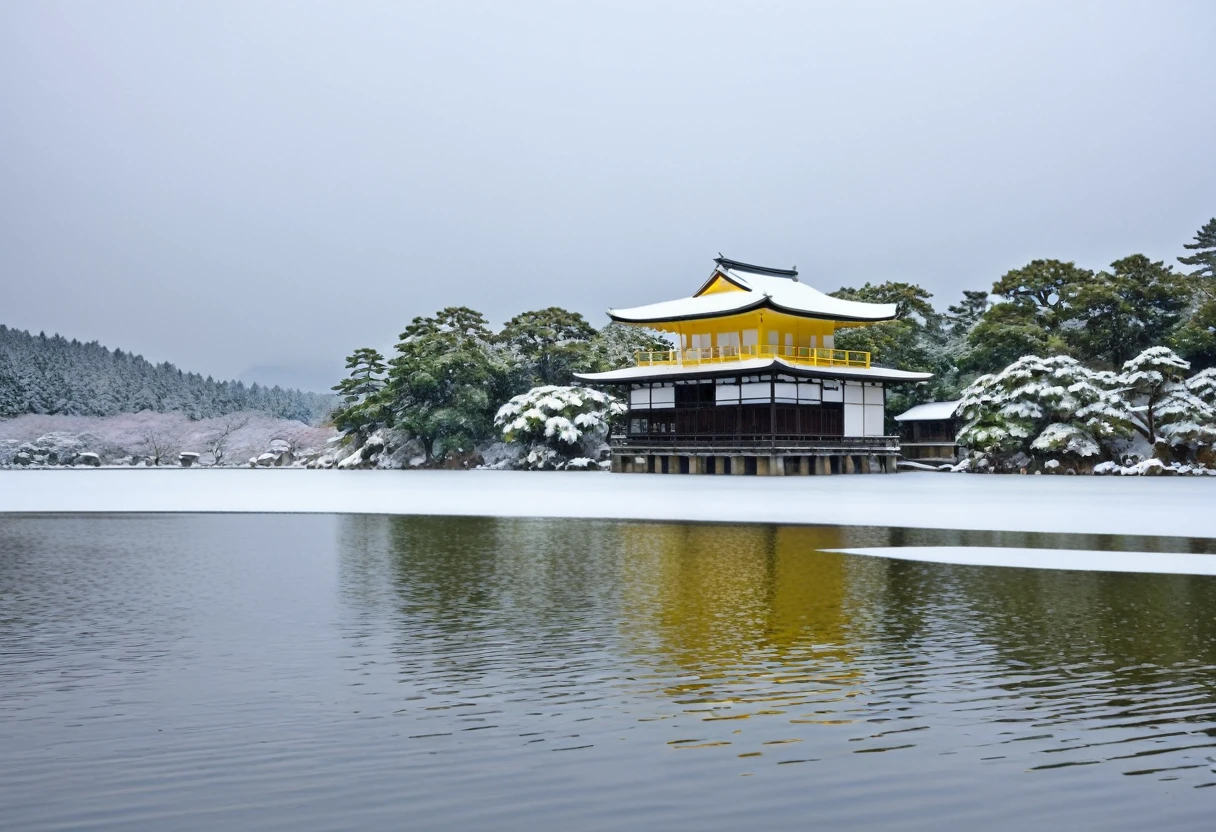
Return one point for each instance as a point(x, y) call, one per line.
point(1181, 507)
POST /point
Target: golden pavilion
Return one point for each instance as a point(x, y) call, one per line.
point(755, 384)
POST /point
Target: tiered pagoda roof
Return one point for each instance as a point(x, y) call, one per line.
point(750, 288)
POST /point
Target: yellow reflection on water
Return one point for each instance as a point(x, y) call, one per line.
point(751, 621)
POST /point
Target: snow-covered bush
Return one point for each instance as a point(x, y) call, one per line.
point(557, 427)
point(1148, 419)
point(1042, 407)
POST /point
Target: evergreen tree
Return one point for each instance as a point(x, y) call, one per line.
point(964, 315)
point(362, 409)
point(1160, 400)
point(618, 345)
point(550, 344)
point(442, 382)
point(1119, 313)
point(1204, 246)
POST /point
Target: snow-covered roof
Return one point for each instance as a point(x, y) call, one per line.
point(762, 287)
point(750, 367)
point(929, 411)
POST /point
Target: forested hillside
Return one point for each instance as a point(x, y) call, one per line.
point(52, 375)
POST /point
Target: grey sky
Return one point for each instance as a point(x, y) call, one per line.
point(254, 189)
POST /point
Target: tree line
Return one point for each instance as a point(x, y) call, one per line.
point(52, 375)
point(1102, 318)
point(451, 371)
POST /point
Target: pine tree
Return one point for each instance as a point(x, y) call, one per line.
point(363, 409)
point(1154, 382)
point(1204, 247)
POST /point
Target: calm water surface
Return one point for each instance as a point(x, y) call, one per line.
point(314, 672)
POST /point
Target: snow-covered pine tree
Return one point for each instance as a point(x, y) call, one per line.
point(1041, 408)
point(362, 410)
point(1166, 413)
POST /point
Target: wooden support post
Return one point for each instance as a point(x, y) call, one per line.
point(892, 463)
point(618, 463)
point(804, 466)
point(846, 466)
point(694, 465)
point(762, 466)
point(736, 466)
point(776, 466)
point(673, 464)
point(719, 464)
point(825, 465)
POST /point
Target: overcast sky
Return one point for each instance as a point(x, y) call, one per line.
point(253, 189)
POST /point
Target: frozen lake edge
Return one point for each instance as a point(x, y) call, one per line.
point(1178, 507)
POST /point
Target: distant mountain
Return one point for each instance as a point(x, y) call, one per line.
point(41, 374)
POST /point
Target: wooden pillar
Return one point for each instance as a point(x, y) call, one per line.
point(776, 465)
point(673, 464)
point(846, 464)
point(772, 411)
point(618, 463)
point(804, 466)
point(892, 463)
point(762, 466)
point(719, 464)
point(736, 466)
point(694, 465)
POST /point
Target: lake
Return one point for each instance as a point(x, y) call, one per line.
point(317, 672)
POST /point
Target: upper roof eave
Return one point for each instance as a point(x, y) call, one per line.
point(763, 302)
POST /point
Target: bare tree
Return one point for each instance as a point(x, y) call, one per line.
point(158, 447)
point(218, 445)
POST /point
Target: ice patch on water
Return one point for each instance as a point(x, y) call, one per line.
point(1157, 563)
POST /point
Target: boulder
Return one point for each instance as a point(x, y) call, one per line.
point(265, 460)
point(89, 458)
point(1150, 468)
point(22, 458)
point(187, 458)
point(1162, 451)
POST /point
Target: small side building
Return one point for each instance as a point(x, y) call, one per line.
point(928, 432)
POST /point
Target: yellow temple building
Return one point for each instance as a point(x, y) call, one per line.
point(755, 384)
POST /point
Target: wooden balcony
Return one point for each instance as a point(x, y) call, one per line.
point(805, 356)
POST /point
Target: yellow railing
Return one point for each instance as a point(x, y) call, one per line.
point(809, 356)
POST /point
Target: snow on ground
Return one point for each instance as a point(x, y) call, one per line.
point(127, 434)
point(1159, 563)
point(1084, 505)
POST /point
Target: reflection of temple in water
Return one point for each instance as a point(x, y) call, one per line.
point(755, 613)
